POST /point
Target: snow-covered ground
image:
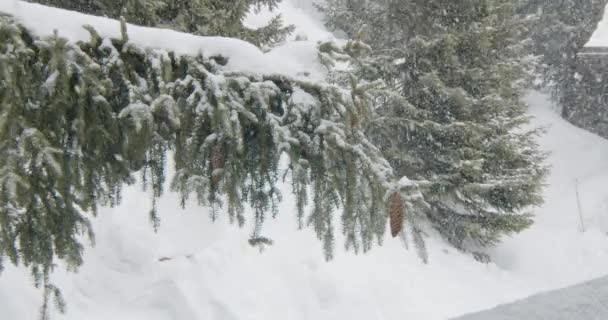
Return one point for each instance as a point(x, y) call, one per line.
point(212, 273)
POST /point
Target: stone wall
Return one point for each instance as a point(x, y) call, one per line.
point(587, 301)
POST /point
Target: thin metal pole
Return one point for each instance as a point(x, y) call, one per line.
point(578, 203)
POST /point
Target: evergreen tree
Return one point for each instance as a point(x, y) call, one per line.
point(560, 31)
point(142, 12)
point(453, 118)
point(78, 121)
point(200, 17)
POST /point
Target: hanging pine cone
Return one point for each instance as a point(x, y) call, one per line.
point(218, 161)
point(396, 213)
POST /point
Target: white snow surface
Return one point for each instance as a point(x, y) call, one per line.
point(212, 272)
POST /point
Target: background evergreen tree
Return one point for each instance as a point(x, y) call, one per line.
point(142, 12)
point(453, 119)
point(559, 31)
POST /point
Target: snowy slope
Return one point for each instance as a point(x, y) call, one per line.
point(212, 273)
point(554, 252)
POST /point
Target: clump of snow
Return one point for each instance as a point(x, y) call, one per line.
point(300, 13)
point(193, 269)
point(301, 97)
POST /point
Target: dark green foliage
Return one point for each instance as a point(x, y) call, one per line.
point(200, 17)
point(142, 12)
point(77, 121)
point(451, 117)
point(560, 30)
point(589, 92)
